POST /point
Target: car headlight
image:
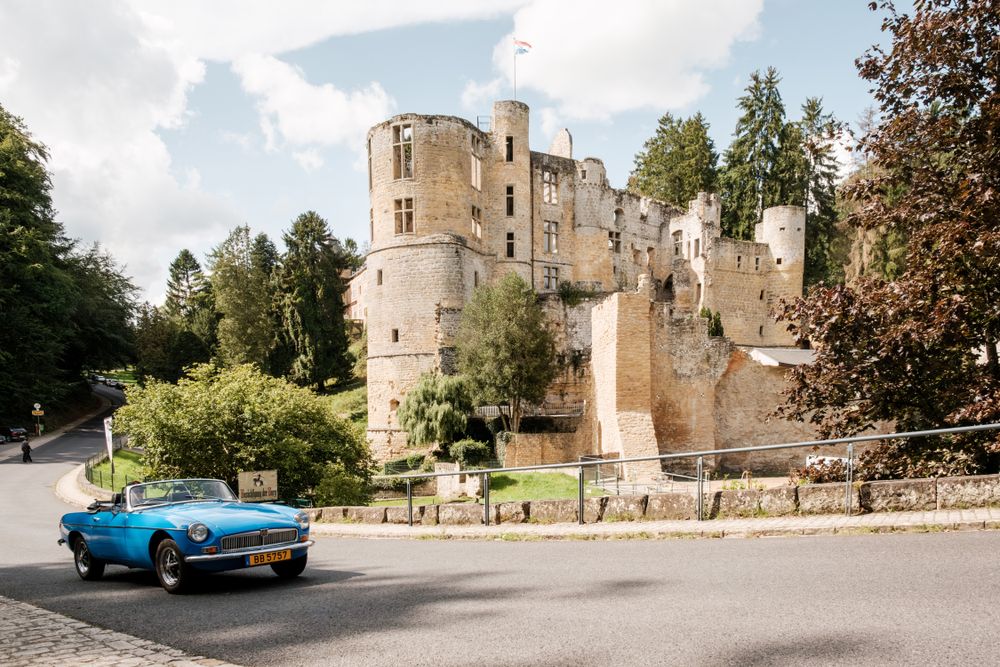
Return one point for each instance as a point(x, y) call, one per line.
point(197, 532)
point(303, 520)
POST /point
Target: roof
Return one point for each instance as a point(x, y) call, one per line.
point(781, 356)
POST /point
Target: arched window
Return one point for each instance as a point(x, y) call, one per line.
point(619, 217)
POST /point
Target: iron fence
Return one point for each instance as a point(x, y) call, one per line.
point(701, 475)
point(98, 477)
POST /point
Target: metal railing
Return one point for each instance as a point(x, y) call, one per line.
point(700, 466)
point(97, 477)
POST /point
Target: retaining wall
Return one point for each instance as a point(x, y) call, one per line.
point(882, 496)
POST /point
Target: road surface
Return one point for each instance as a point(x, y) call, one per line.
point(844, 600)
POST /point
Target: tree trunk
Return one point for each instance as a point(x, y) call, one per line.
point(992, 364)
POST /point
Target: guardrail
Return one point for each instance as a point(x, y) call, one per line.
point(700, 463)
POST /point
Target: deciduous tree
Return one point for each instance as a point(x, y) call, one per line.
point(505, 347)
point(920, 351)
point(435, 410)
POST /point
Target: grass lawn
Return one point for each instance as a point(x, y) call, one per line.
point(127, 465)
point(351, 403)
point(123, 375)
point(519, 486)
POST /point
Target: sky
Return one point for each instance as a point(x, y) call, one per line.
point(169, 123)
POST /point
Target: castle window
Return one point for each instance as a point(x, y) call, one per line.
point(678, 243)
point(619, 217)
point(762, 295)
point(550, 236)
point(756, 263)
point(477, 163)
point(697, 293)
point(739, 261)
point(369, 164)
point(778, 261)
point(393, 405)
point(615, 242)
point(510, 149)
point(475, 278)
point(550, 187)
point(378, 277)
point(760, 330)
point(510, 200)
point(697, 247)
point(394, 336)
point(798, 229)
point(371, 223)
point(477, 222)
point(404, 216)
point(583, 174)
point(551, 277)
point(781, 229)
point(510, 244)
point(402, 151)
point(650, 256)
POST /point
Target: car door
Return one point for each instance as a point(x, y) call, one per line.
point(98, 533)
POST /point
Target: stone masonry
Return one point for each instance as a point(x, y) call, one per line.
point(454, 206)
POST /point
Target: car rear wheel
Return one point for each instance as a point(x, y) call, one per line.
point(174, 574)
point(88, 566)
point(290, 569)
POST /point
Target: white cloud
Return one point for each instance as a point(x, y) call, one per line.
point(309, 159)
point(476, 94)
point(594, 59)
point(309, 115)
point(97, 81)
point(551, 121)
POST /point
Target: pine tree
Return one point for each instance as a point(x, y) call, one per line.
point(310, 295)
point(186, 282)
point(748, 179)
point(677, 162)
point(819, 131)
point(241, 281)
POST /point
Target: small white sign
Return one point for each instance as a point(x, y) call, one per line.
point(258, 485)
point(107, 437)
point(38, 406)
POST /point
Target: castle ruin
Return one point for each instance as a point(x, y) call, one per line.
point(454, 207)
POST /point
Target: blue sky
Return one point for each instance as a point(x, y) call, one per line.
point(170, 123)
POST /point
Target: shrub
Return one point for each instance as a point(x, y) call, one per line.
point(469, 452)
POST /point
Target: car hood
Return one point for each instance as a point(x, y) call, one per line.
point(222, 518)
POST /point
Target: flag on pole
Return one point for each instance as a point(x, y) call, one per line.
point(520, 48)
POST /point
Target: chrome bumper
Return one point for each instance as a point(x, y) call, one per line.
point(297, 546)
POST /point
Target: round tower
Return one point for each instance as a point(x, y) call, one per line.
point(427, 227)
point(783, 229)
point(510, 189)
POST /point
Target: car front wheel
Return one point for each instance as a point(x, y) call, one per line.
point(174, 574)
point(290, 569)
point(88, 566)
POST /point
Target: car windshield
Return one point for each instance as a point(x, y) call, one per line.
point(176, 491)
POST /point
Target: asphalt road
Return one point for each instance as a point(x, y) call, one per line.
point(879, 599)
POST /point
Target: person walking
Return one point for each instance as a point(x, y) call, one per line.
point(26, 452)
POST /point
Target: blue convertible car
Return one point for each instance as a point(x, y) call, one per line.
point(182, 527)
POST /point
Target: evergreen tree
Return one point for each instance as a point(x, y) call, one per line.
point(312, 304)
point(185, 284)
point(241, 282)
point(819, 131)
point(748, 180)
point(677, 162)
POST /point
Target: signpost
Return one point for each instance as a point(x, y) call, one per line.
point(37, 413)
point(258, 485)
point(111, 448)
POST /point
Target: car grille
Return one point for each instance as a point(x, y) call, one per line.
point(259, 538)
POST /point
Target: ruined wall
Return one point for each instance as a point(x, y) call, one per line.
point(746, 396)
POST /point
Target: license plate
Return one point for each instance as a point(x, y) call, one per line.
point(268, 558)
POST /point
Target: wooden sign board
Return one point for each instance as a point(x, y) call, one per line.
point(258, 485)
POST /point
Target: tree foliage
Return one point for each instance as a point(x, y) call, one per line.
point(819, 131)
point(310, 297)
point(748, 180)
point(677, 162)
point(241, 269)
point(505, 347)
point(435, 410)
point(218, 422)
point(921, 350)
point(63, 309)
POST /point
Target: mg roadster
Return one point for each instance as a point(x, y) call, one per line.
point(182, 527)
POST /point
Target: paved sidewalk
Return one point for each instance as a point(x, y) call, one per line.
point(985, 518)
point(32, 636)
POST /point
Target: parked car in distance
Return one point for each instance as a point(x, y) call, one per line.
point(181, 527)
point(115, 384)
point(12, 433)
point(99, 379)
